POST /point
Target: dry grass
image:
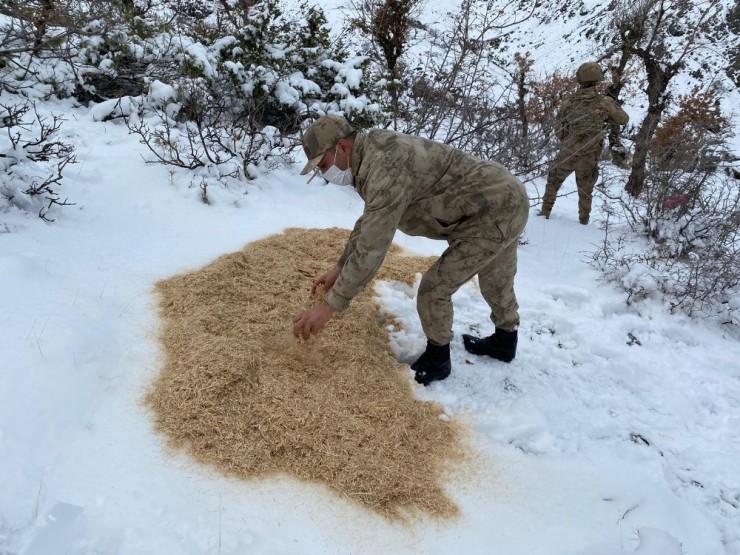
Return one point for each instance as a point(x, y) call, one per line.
point(240, 394)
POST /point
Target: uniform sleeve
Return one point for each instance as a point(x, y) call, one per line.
point(615, 112)
point(373, 235)
point(349, 247)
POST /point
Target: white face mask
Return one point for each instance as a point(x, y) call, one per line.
point(337, 176)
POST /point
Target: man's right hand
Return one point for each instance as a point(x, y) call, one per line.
point(327, 280)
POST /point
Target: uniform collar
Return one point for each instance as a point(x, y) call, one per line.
point(358, 151)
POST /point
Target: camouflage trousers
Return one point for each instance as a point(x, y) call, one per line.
point(461, 261)
point(585, 162)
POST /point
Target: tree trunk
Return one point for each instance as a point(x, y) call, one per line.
point(618, 152)
point(521, 102)
point(657, 84)
point(41, 22)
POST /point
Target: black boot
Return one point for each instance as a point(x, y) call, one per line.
point(434, 364)
point(501, 345)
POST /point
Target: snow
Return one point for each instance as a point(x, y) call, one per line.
point(160, 92)
point(199, 55)
point(116, 107)
point(615, 430)
point(286, 94)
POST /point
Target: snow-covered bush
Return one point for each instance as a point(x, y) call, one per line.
point(241, 99)
point(62, 48)
point(32, 160)
point(89, 50)
point(214, 87)
point(687, 217)
point(689, 253)
point(116, 59)
point(280, 70)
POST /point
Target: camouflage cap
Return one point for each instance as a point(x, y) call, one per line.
point(322, 135)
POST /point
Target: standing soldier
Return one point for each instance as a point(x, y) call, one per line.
point(580, 130)
point(430, 189)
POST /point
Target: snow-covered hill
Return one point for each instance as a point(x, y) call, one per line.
point(614, 425)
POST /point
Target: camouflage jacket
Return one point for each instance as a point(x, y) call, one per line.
point(422, 188)
point(581, 118)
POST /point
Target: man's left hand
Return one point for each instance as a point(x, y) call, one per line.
point(312, 320)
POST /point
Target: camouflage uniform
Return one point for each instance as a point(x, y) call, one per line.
point(433, 190)
point(579, 152)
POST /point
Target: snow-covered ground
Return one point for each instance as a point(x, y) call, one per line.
point(615, 430)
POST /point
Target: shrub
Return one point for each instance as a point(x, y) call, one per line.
point(241, 99)
point(32, 160)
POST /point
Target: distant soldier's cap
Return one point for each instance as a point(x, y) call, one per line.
point(590, 72)
point(322, 135)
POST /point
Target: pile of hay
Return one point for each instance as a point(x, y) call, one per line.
point(241, 394)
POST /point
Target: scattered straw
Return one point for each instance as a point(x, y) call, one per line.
point(240, 394)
